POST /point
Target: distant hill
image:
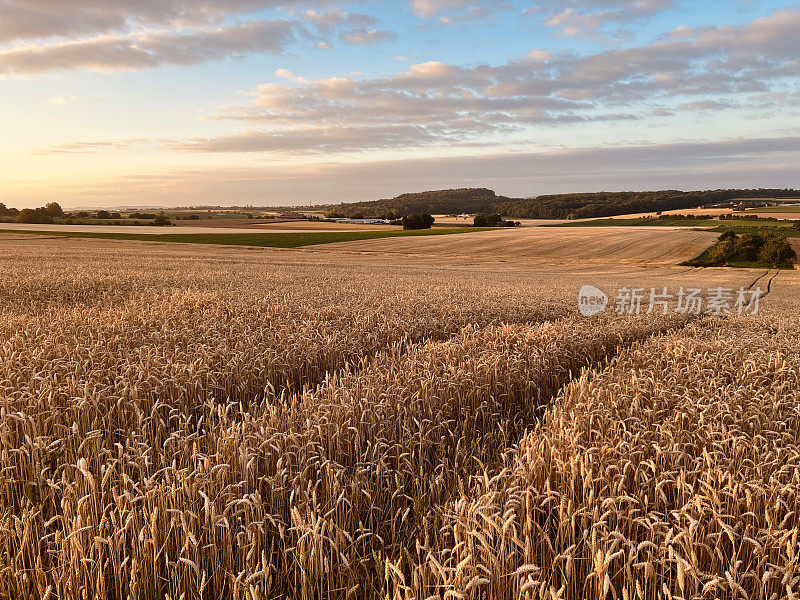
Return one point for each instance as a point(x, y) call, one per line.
point(465, 200)
point(559, 206)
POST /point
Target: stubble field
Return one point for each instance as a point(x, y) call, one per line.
point(406, 418)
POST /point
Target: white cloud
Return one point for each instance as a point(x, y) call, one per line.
point(539, 55)
point(367, 37)
point(434, 103)
point(61, 100)
point(330, 20)
point(124, 35)
point(451, 12)
point(605, 19)
point(39, 19)
point(150, 49)
point(287, 74)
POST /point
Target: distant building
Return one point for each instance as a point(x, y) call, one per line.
point(363, 221)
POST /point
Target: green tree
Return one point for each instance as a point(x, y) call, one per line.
point(777, 251)
point(748, 246)
point(161, 220)
point(30, 215)
point(54, 209)
point(487, 220)
point(7, 212)
point(722, 252)
point(418, 221)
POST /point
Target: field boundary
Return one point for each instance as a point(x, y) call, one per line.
point(258, 240)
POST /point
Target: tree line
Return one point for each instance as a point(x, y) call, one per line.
point(52, 212)
point(555, 206)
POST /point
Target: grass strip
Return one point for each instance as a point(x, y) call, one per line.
point(264, 240)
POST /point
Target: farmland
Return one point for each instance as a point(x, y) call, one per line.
point(675, 222)
point(405, 417)
point(272, 239)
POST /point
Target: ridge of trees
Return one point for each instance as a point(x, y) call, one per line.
point(552, 206)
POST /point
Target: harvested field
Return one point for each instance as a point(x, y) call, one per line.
point(207, 226)
point(345, 422)
point(791, 213)
point(452, 221)
point(554, 246)
point(232, 237)
point(280, 225)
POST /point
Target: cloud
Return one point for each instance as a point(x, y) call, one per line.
point(363, 36)
point(89, 147)
point(702, 105)
point(451, 12)
point(593, 18)
point(61, 100)
point(327, 21)
point(437, 103)
point(121, 35)
point(287, 74)
point(41, 19)
point(151, 49)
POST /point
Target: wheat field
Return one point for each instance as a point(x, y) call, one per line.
point(188, 423)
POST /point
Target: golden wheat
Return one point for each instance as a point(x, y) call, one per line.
point(673, 473)
point(221, 428)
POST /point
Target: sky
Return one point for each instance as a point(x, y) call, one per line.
point(137, 103)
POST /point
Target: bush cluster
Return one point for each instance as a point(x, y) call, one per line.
point(766, 247)
point(492, 220)
point(43, 214)
point(417, 221)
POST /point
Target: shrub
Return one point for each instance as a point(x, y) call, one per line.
point(417, 221)
point(161, 220)
point(766, 247)
point(777, 251)
point(722, 252)
point(7, 212)
point(31, 215)
point(487, 220)
point(748, 246)
point(54, 209)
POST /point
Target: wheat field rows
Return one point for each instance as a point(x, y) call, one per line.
point(228, 429)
